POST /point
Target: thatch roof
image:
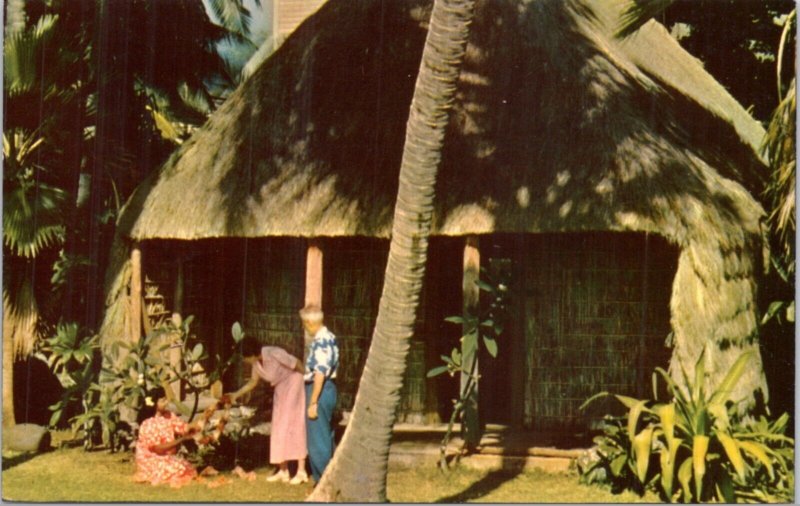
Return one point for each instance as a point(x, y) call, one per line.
point(557, 126)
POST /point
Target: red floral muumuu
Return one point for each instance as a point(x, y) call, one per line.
point(154, 468)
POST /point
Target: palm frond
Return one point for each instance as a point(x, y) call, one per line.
point(21, 55)
point(33, 219)
point(787, 30)
point(779, 148)
point(197, 99)
point(255, 61)
point(32, 210)
point(637, 13)
point(231, 15)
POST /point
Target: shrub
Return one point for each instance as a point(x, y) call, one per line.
point(694, 447)
point(74, 357)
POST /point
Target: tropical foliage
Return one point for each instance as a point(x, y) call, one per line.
point(480, 331)
point(693, 447)
point(74, 357)
point(780, 149)
point(96, 95)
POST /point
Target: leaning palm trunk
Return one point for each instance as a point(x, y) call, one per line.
point(357, 472)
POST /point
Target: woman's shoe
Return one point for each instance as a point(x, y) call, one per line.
point(282, 476)
point(300, 477)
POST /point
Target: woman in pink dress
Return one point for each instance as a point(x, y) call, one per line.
point(288, 435)
point(157, 461)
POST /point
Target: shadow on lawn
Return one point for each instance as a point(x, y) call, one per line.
point(9, 462)
point(482, 487)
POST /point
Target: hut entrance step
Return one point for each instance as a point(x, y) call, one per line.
point(501, 445)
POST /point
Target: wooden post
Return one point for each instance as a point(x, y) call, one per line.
point(314, 274)
point(471, 426)
point(136, 293)
point(178, 304)
point(175, 352)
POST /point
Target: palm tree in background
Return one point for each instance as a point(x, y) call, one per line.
point(357, 472)
point(36, 151)
point(91, 89)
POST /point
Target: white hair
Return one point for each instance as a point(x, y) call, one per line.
point(311, 314)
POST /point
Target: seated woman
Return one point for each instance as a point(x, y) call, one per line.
point(157, 461)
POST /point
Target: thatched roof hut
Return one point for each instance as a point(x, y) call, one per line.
point(557, 127)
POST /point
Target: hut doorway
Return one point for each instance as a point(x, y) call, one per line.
point(501, 377)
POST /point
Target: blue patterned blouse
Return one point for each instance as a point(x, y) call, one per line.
point(323, 356)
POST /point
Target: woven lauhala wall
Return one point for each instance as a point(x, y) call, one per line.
point(275, 291)
point(596, 318)
point(352, 285)
point(352, 280)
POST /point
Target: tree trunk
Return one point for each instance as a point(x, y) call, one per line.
point(357, 472)
point(15, 23)
point(15, 17)
point(8, 368)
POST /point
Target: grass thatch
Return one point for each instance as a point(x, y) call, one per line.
point(557, 126)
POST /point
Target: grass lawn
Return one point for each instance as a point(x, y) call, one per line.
point(69, 475)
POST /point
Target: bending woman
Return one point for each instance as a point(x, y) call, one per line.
point(288, 435)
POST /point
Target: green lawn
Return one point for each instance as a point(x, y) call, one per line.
point(73, 475)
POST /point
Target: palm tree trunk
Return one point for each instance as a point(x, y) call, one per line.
point(15, 17)
point(357, 472)
point(8, 374)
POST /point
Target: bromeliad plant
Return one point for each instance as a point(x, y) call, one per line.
point(694, 447)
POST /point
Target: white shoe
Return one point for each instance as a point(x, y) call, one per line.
point(282, 476)
point(300, 477)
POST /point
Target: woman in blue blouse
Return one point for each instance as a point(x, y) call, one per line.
point(321, 364)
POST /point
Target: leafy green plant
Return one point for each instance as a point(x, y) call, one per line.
point(612, 461)
point(72, 355)
point(485, 328)
point(144, 364)
point(694, 447)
